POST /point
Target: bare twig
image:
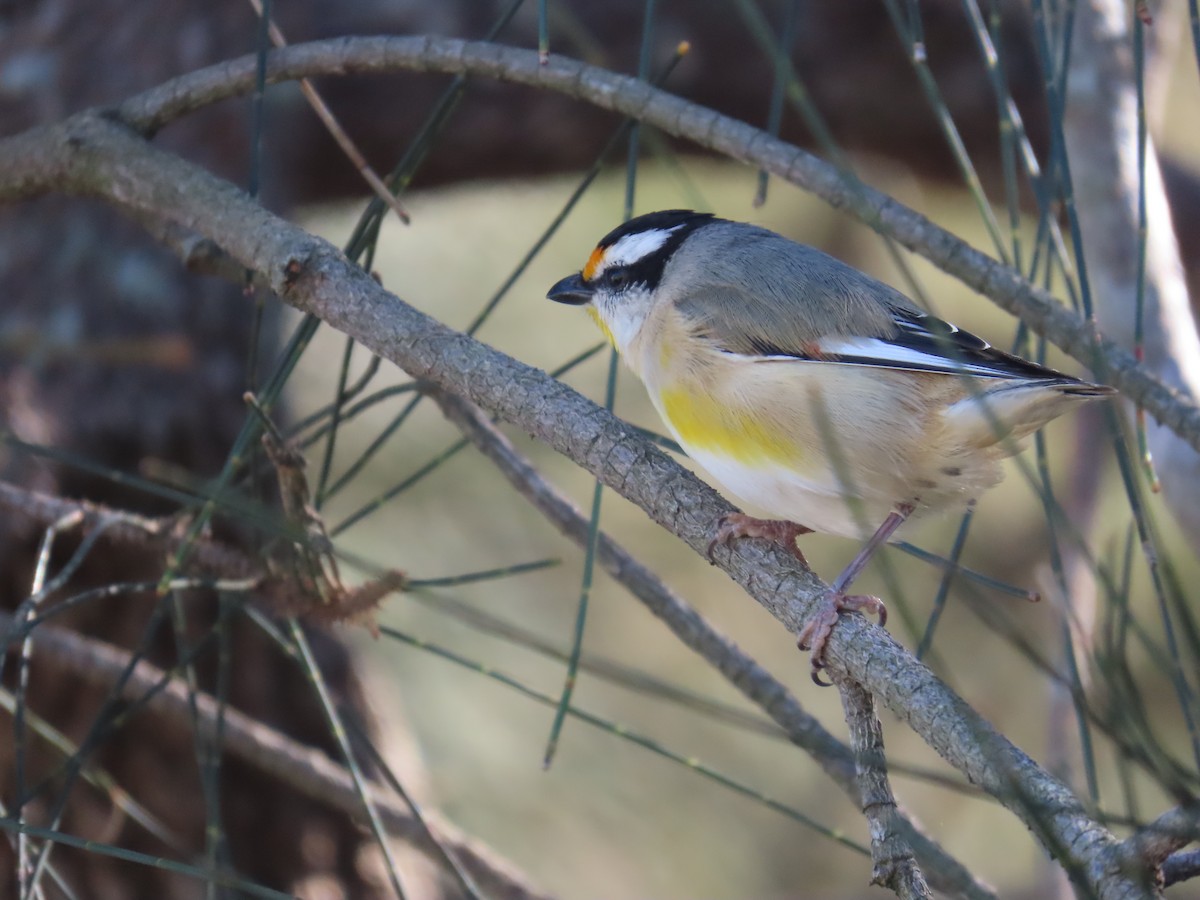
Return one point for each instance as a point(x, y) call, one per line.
point(26, 867)
point(336, 131)
point(894, 864)
point(756, 683)
point(312, 563)
point(309, 771)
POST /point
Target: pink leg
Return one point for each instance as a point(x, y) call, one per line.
point(819, 627)
point(736, 525)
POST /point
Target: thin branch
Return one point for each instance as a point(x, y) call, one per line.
point(894, 864)
point(345, 144)
point(1173, 830)
point(686, 623)
point(281, 585)
point(305, 769)
point(129, 529)
point(1181, 867)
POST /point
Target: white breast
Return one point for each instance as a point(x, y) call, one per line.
point(776, 492)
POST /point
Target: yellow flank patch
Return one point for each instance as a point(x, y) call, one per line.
point(701, 422)
point(593, 263)
point(602, 325)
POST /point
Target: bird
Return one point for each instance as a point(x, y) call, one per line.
point(811, 392)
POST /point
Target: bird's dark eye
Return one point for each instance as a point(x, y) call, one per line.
point(618, 278)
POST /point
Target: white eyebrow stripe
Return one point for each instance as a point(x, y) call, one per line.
point(633, 247)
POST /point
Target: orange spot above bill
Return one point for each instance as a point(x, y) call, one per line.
point(593, 263)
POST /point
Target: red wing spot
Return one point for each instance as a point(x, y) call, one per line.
point(813, 350)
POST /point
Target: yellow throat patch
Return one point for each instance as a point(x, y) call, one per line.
point(602, 325)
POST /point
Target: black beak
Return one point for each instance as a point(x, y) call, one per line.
point(572, 289)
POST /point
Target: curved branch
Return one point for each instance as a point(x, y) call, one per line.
point(92, 155)
point(149, 111)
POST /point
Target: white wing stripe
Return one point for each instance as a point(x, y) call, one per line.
point(879, 352)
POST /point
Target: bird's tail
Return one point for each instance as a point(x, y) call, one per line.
point(1010, 411)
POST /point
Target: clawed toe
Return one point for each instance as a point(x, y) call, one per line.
point(816, 631)
point(726, 532)
point(865, 603)
point(736, 525)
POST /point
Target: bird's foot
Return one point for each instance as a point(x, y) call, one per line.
point(816, 631)
point(736, 525)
